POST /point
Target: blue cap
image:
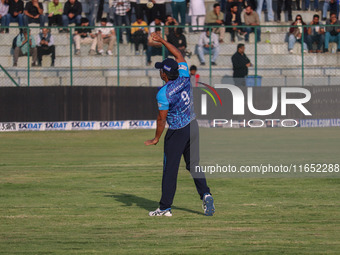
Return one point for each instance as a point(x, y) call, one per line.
point(168, 64)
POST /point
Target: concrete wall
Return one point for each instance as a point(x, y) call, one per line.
point(77, 103)
point(138, 103)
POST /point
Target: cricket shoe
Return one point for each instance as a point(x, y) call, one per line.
point(208, 205)
point(159, 212)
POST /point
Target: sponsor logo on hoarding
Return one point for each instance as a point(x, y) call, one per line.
point(111, 124)
point(7, 126)
point(141, 123)
point(56, 125)
point(320, 123)
point(83, 124)
point(30, 126)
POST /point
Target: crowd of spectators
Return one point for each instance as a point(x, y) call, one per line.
point(321, 34)
point(143, 17)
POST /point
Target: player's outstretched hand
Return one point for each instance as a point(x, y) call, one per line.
point(151, 142)
point(156, 37)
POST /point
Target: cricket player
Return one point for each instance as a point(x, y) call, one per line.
point(182, 138)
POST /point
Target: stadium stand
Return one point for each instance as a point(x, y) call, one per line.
point(274, 64)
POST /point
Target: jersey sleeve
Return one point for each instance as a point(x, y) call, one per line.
point(183, 69)
point(162, 100)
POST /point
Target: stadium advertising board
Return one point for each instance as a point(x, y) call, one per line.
point(77, 125)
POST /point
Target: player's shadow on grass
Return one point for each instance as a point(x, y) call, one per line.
point(147, 204)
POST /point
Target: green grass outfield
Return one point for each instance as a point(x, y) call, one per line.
point(89, 192)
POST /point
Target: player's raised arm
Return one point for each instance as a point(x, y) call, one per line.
point(172, 49)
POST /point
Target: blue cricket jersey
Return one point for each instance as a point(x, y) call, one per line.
point(176, 97)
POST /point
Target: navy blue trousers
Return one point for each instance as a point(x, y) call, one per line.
point(184, 141)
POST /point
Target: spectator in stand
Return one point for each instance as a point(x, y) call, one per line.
point(45, 45)
point(307, 2)
point(139, 34)
point(3, 12)
point(194, 76)
point(251, 18)
point(84, 35)
point(179, 7)
point(316, 33)
point(92, 10)
point(23, 45)
point(142, 10)
point(15, 12)
point(238, 3)
point(215, 18)
point(288, 8)
point(197, 13)
point(34, 13)
point(316, 5)
point(155, 8)
point(155, 48)
point(295, 34)
point(233, 18)
point(105, 35)
point(122, 8)
point(170, 21)
point(269, 4)
point(179, 41)
point(253, 4)
point(103, 7)
point(55, 10)
point(223, 4)
point(329, 5)
point(72, 13)
point(298, 5)
point(207, 46)
point(133, 8)
point(332, 32)
point(240, 65)
point(159, 9)
point(156, 23)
